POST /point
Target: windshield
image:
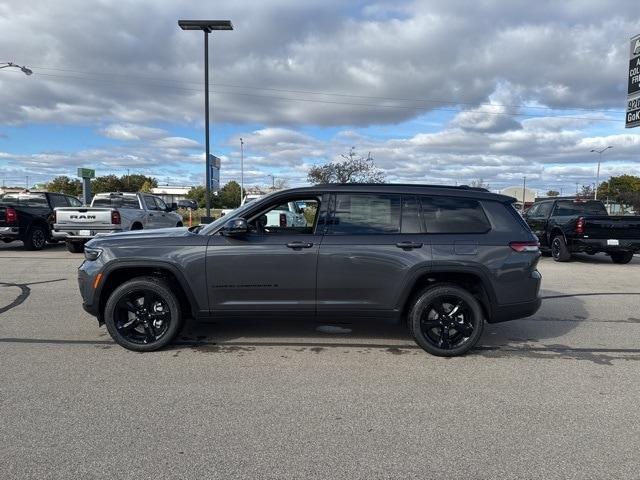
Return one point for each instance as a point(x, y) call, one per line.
point(117, 201)
point(26, 199)
point(238, 212)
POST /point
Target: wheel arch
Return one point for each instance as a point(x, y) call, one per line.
point(115, 275)
point(472, 280)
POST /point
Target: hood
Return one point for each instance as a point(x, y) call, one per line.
point(157, 233)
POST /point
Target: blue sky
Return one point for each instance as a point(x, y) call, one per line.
point(302, 83)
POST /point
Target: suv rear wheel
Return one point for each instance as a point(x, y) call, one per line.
point(143, 314)
point(446, 320)
point(621, 257)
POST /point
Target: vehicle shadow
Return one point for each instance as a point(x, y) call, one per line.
point(538, 336)
point(599, 258)
point(18, 246)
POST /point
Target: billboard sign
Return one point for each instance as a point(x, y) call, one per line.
point(215, 173)
point(632, 118)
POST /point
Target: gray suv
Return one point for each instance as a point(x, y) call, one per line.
point(443, 259)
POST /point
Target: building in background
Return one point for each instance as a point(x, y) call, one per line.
point(171, 193)
point(518, 193)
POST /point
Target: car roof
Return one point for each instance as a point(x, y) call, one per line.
point(462, 191)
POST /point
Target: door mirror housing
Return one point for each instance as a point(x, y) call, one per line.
point(235, 227)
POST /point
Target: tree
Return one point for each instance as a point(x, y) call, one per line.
point(615, 186)
point(229, 195)
point(199, 194)
point(146, 187)
point(586, 191)
point(479, 183)
point(353, 169)
point(553, 193)
point(64, 184)
point(106, 183)
point(135, 183)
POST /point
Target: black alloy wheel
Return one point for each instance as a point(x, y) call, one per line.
point(446, 320)
point(36, 238)
point(143, 314)
point(559, 250)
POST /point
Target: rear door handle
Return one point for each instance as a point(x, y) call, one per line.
point(409, 245)
point(297, 245)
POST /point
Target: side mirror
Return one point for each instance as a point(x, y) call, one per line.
point(235, 227)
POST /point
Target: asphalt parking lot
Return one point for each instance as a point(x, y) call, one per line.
point(551, 396)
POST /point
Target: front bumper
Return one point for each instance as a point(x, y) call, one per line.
point(11, 233)
point(603, 245)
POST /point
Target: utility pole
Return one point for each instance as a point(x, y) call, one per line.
point(273, 182)
point(241, 170)
point(27, 187)
point(524, 186)
point(599, 152)
point(128, 180)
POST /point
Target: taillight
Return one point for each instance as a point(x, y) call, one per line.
point(11, 215)
point(532, 246)
point(283, 220)
point(115, 217)
point(580, 226)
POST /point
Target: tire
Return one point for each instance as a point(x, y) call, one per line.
point(179, 224)
point(621, 257)
point(36, 238)
point(559, 250)
point(75, 247)
point(429, 327)
point(136, 226)
point(129, 320)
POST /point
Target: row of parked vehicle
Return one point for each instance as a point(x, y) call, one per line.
point(38, 218)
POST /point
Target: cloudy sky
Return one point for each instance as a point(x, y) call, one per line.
point(438, 92)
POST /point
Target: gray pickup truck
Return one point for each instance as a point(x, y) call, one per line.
point(112, 213)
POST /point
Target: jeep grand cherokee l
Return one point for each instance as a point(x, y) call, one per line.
point(444, 259)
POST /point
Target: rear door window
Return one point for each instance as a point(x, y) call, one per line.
point(567, 208)
point(150, 202)
point(357, 213)
point(453, 215)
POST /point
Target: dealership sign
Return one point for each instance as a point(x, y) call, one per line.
point(633, 86)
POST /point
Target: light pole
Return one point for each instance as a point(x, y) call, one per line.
point(241, 170)
point(524, 189)
point(25, 70)
point(207, 26)
point(599, 152)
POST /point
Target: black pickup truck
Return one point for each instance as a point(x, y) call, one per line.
point(28, 216)
point(570, 225)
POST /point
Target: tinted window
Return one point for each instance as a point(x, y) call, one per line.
point(570, 207)
point(544, 209)
point(533, 211)
point(410, 215)
point(150, 202)
point(161, 204)
point(118, 201)
point(366, 213)
point(58, 200)
point(26, 199)
point(74, 202)
point(453, 215)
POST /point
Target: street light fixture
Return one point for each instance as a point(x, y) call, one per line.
point(25, 70)
point(599, 152)
point(207, 26)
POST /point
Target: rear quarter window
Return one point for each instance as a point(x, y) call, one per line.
point(453, 215)
point(566, 208)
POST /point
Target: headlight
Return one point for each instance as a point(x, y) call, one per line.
point(92, 253)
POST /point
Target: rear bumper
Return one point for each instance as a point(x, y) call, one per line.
point(513, 311)
point(602, 245)
point(9, 233)
point(73, 235)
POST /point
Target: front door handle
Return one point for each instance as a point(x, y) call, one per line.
point(297, 245)
point(409, 245)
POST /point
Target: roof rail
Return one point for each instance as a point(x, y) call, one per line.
point(458, 187)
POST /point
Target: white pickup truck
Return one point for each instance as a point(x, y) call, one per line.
point(110, 213)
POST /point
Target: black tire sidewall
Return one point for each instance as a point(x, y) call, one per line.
point(157, 286)
point(29, 241)
point(75, 247)
point(563, 254)
point(424, 298)
point(622, 258)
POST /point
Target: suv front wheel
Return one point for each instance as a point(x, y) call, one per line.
point(446, 320)
point(143, 314)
